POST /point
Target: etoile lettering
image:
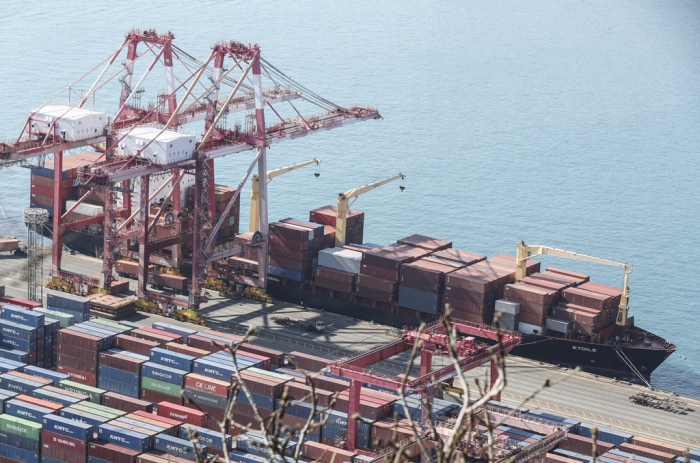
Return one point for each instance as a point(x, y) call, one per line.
point(585, 349)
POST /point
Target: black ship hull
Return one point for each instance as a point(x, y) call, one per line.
point(602, 359)
point(80, 242)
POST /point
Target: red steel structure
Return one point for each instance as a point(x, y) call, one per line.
point(433, 342)
point(116, 173)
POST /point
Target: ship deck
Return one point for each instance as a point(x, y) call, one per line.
point(591, 399)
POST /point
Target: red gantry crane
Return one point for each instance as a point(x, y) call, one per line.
point(141, 143)
point(433, 341)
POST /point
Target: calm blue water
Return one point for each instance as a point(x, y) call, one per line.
point(570, 124)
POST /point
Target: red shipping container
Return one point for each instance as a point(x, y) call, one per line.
point(175, 337)
point(656, 445)
point(206, 344)
point(68, 443)
point(286, 253)
point(647, 453)
point(206, 384)
point(166, 421)
point(337, 275)
point(149, 336)
point(81, 340)
point(39, 402)
point(297, 265)
point(221, 334)
point(299, 391)
point(554, 458)
point(121, 362)
point(333, 285)
point(462, 305)
point(292, 232)
point(171, 429)
point(377, 284)
point(213, 414)
point(375, 295)
point(110, 452)
point(132, 344)
point(533, 318)
point(77, 364)
point(579, 277)
point(379, 272)
point(326, 453)
point(276, 357)
point(584, 445)
point(289, 243)
point(329, 384)
point(265, 359)
point(425, 275)
point(587, 298)
point(530, 293)
point(308, 362)
point(471, 279)
point(184, 414)
point(261, 384)
point(77, 352)
point(125, 403)
point(187, 350)
point(61, 453)
point(21, 302)
point(466, 295)
point(425, 242)
point(78, 376)
point(462, 257)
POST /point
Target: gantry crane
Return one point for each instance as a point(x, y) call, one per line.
point(127, 159)
point(344, 204)
point(526, 252)
point(255, 189)
point(433, 340)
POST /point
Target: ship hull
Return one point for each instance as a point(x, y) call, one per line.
point(80, 242)
point(602, 359)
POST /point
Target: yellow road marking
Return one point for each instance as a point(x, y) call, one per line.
point(677, 436)
point(548, 405)
point(557, 406)
point(648, 429)
point(584, 413)
point(538, 403)
point(686, 438)
point(696, 441)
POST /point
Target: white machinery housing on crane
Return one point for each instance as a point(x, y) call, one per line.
point(155, 182)
point(159, 146)
point(72, 124)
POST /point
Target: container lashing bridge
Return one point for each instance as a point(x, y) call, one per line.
point(433, 341)
point(140, 142)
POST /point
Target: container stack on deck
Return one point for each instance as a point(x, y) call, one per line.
point(222, 195)
point(293, 248)
point(354, 224)
point(42, 182)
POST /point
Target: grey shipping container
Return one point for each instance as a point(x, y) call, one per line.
point(342, 259)
point(509, 307)
point(558, 325)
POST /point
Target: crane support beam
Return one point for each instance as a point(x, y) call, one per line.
point(344, 204)
point(529, 251)
point(255, 189)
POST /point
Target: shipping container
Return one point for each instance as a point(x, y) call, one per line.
point(124, 438)
point(178, 330)
point(46, 374)
point(212, 439)
point(125, 403)
point(162, 387)
point(173, 359)
point(183, 414)
point(111, 453)
point(179, 447)
point(23, 316)
point(163, 373)
point(94, 393)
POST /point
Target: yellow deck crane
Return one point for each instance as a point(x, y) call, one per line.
point(526, 252)
point(255, 190)
point(344, 204)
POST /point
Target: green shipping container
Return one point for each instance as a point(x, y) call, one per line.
point(65, 320)
point(95, 411)
point(20, 427)
point(161, 386)
point(94, 393)
point(102, 408)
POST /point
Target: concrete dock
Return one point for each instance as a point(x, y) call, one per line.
point(585, 397)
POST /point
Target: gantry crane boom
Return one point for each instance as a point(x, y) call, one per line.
point(526, 252)
point(344, 203)
point(255, 189)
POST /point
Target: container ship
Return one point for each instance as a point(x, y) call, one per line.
point(565, 318)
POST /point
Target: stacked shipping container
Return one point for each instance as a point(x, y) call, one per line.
point(293, 246)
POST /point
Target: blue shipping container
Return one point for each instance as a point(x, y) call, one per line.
point(20, 442)
point(21, 385)
point(6, 367)
point(46, 374)
point(172, 359)
point(124, 438)
point(78, 317)
point(163, 373)
point(111, 385)
point(213, 369)
point(115, 374)
point(68, 301)
point(26, 410)
point(18, 344)
point(211, 439)
point(14, 355)
point(13, 453)
point(68, 427)
point(177, 447)
point(83, 417)
point(289, 274)
point(17, 330)
point(24, 316)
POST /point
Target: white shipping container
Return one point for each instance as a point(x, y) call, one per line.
point(527, 328)
point(73, 124)
point(167, 148)
point(155, 183)
point(90, 210)
point(342, 259)
point(509, 307)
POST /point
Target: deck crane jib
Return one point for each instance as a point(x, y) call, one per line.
point(234, 81)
